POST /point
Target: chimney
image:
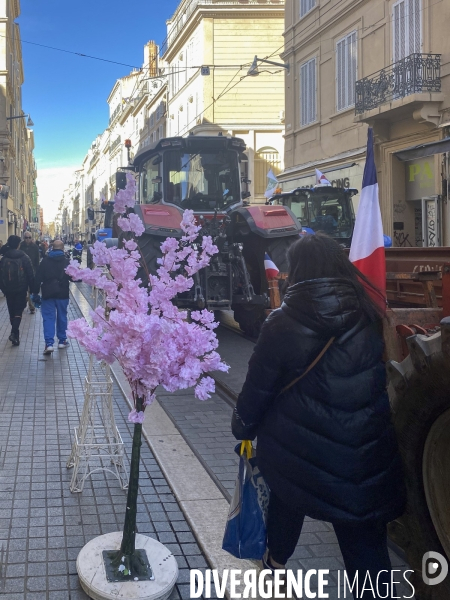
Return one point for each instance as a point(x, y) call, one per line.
point(151, 58)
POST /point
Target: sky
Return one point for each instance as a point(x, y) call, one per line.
point(66, 94)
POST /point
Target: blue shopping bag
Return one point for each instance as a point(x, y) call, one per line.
point(245, 531)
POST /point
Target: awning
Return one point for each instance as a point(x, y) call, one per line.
point(424, 150)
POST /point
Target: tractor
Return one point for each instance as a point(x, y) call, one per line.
point(203, 174)
point(321, 208)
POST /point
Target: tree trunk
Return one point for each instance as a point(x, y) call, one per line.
point(128, 563)
point(129, 528)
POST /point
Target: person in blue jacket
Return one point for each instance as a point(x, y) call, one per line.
point(326, 445)
point(77, 250)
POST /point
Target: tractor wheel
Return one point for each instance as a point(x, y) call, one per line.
point(277, 250)
point(250, 318)
point(89, 261)
point(419, 391)
point(150, 249)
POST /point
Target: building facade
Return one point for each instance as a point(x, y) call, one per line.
point(18, 193)
point(209, 48)
point(378, 63)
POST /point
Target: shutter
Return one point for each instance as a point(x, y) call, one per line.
point(414, 26)
point(306, 6)
point(340, 76)
point(303, 73)
point(346, 64)
point(398, 30)
point(352, 67)
point(312, 90)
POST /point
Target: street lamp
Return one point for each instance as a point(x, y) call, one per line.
point(29, 122)
point(254, 71)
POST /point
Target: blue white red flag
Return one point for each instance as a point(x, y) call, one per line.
point(367, 247)
point(270, 267)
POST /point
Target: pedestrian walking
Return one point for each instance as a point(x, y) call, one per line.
point(77, 251)
point(43, 247)
point(32, 251)
point(16, 277)
point(54, 281)
point(315, 397)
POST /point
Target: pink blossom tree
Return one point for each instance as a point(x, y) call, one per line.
point(154, 342)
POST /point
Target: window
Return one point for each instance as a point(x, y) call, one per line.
point(306, 6)
point(406, 28)
point(266, 159)
point(346, 71)
point(152, 119)
point(308, 92)
point(160, 132)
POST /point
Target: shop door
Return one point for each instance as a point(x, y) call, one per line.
point(431, 221)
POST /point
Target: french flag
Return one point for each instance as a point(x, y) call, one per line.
point(270, 267)
point(367, 247)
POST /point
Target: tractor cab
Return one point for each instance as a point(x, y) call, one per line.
point(322, 208)
point(200, 173)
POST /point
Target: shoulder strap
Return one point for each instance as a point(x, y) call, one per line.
point(311, 366)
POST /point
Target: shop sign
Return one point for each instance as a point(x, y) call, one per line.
point(342, 178)
point(419, 178)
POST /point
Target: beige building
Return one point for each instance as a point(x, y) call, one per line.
point(18, 194)
point(209, 48)
point(383, 63)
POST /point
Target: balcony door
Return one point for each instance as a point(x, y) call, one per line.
point(406, 28)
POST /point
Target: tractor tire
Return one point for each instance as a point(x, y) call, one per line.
point(277, 250)
point(420, 397)
point(89, 258)
point(250, 317)
point(150, 249)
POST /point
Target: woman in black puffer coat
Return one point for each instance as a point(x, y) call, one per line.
point(326, 445)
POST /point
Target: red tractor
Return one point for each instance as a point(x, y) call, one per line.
point(203, 173)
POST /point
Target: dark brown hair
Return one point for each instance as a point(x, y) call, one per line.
point(319, 256)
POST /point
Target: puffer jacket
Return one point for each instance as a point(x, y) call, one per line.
point(326, 445)
point(52, 277)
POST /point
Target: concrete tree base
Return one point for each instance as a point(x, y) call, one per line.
point(91, 570)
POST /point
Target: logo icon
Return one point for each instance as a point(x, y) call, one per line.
point(434, 568)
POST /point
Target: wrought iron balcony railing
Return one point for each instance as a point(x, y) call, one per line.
point(413, 74)
point(116, 113)
point(114, 145)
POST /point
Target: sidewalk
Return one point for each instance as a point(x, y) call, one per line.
point(43, 525)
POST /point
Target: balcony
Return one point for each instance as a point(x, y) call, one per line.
point(414, 74)
point(115, 114)
point(114, 145)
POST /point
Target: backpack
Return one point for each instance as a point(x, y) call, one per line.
point(12, 275)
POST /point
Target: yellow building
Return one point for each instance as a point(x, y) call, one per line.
point(383, 63)
point(17, 167)
point(208, 51)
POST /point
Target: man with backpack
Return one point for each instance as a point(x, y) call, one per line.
point(16, 276)
point(51, 275)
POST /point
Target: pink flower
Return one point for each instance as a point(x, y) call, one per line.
point(205, 388)
point(136, 417)
point(141, 328)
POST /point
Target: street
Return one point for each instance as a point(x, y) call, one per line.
point(182, 501)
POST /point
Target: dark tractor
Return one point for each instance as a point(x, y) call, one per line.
point(322, 208)
point(202, 173)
